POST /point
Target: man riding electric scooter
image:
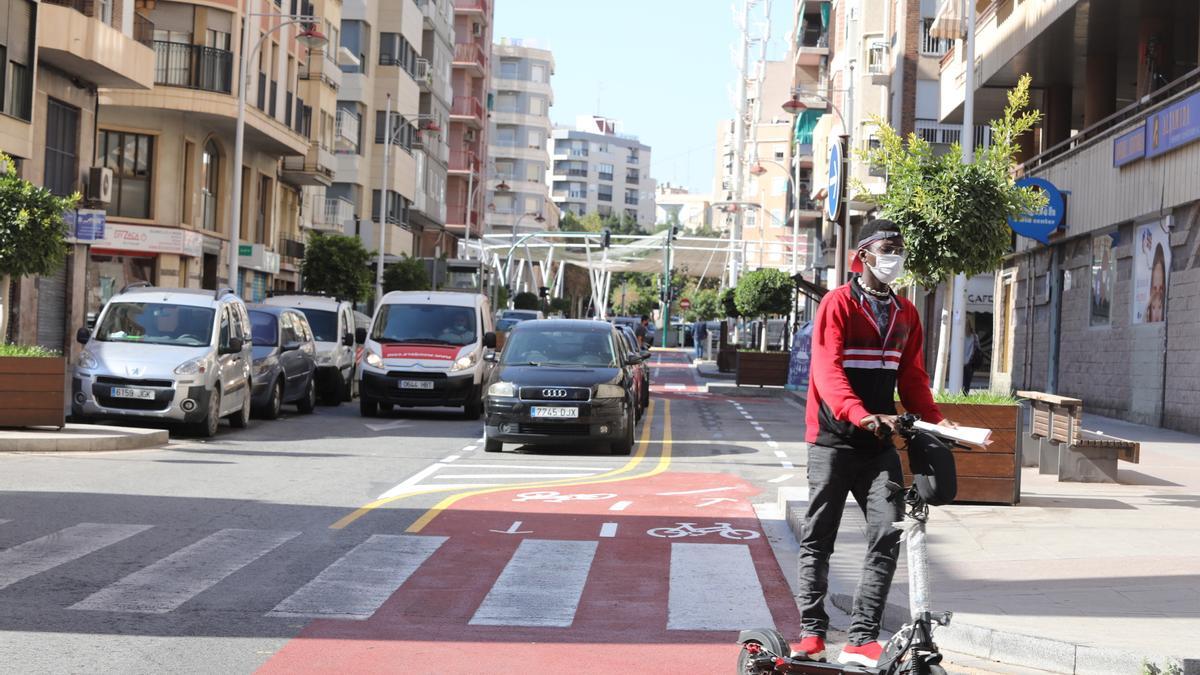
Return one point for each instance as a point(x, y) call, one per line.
point(866, 345)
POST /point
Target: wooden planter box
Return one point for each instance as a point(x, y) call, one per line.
point(990, 475)
point(727, 360)
point(762, 368)
point(31, 391)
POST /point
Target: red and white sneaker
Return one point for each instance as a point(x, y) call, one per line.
point(864, 655)
point(810, 647)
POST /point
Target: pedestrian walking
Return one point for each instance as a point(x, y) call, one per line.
point(640, 332)
point(699, 335)
point(866, 345)
point(972, 356)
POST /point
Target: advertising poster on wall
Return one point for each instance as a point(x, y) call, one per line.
point(1104, 276)
point(1151, 272)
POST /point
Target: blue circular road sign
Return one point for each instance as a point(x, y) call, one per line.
point(833, 198)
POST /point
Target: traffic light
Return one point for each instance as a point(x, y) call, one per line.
point(605, 238)
point(543, 292)
point(674, 232)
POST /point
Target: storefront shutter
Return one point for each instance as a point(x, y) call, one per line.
point(52, 310)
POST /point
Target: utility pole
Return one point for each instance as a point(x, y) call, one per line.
point(739, 135)
point(958, 286)
point(383, 200)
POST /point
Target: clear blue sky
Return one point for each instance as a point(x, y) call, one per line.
point(663, 67)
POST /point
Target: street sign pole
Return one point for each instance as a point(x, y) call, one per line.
point(833, 202)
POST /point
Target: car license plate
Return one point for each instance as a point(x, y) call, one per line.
point(541, 411)
point(416, 384)
point(128, 392)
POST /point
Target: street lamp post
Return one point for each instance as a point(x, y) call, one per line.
point(537, 218)
point(310, 37)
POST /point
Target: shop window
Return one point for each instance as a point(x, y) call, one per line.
point(1104, 276)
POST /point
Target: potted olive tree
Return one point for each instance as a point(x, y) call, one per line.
point(32, 241)
point(760, 294)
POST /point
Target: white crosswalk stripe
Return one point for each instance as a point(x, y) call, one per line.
point(37, 556)
point(359, 582)
point(165, 585)
point(540, 586)
point(715, 587)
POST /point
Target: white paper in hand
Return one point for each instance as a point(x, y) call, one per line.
point(970, 435)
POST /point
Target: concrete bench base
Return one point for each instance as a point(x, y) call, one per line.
point(1080, 463)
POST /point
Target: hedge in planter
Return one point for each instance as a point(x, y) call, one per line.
point(32, 382)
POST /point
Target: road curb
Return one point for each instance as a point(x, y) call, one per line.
point(81, 438)
point(1017, 649)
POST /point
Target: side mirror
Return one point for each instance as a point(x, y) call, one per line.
point(348, 340)
point(290, 346)
point(491, 357)
point(489, 340)
point(360, 335)
point(83, 335)
point(235, 346)
point(632, 359)
point(645, 354)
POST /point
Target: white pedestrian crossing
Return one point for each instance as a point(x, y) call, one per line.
point(715, 587)
point(359, 582)
point(165, 585)
point(37, 556)
point(540, 586)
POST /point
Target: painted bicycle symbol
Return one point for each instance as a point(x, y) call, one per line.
point(690, 530)
point(558, 498)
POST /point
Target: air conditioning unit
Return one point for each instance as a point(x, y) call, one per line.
point(469, 136)
point(100, 180)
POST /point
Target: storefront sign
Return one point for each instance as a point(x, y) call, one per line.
point(1151, 272)
point(980, 293)
point(1040, 225)
point(86, 224)
point(1173, 126)
point(257, 257)
point(1130, 146)
point(141, 239)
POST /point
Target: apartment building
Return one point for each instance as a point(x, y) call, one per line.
point(57, 59)
point(519, 137)
point(468, 138)
point(694, 210)
point(1095, 300)
point(431, 149)
point(598, 169)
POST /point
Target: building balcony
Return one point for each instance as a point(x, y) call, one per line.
point(322, 68)
point(467, 109)
point(527, 86)
point(570, 195)
point(470, 55)
point(513, 117)
point(73, 36)
point(456, 217)
point(812, 46)
point(463, 162)
point(478, 7)
point(346, 131)
point(423, 74)
point(193, 66)
point(437, 14)
point(631, 201)
point(315, 168)
point(334, 214)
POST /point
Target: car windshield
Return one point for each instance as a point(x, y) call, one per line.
point(323, 324)
point(506, 324)
point(427, 324)
point(519, 315)
point(567, 347)
point(264, 329)
point(156, 323)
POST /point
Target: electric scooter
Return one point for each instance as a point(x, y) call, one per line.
point(911, 651)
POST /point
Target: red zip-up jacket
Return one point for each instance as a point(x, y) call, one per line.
point(856, 369)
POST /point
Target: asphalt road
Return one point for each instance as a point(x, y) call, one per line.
point(332, 543)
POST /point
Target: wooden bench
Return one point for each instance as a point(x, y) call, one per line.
point(1064, 447)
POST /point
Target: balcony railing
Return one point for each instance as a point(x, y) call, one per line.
point(143, 30)
point(480, 6)
point(632, 178)
point(632, 159)
point(338, 213)
point(469, 53)
point(632, 201)
point(346, 131)
point(946, 134)
point(467, 106)
point(177, 64)
point(456, 213)
point(463, 160)
point(291, 248)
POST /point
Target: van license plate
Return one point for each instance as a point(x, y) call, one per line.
point(128, 392)
point(416, 384)
point(540, 411)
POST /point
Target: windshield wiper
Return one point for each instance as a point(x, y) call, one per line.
point(523, 363)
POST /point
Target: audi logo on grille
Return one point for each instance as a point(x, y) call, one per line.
point(554, 393)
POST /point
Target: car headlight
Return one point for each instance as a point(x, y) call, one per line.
point(87, 360)
point(610, 391)
point(326, 359)
point(503, 390)
point(373, 360)
point(196, 366)
point(465, 362)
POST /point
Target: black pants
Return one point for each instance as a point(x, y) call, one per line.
point(832, 475)
point(968, 375)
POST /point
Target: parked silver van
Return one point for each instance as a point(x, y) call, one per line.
point(333, 325)
point(175, 354)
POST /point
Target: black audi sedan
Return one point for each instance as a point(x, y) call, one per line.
point(562, 381)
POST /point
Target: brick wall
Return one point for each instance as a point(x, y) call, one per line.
point(911, 56)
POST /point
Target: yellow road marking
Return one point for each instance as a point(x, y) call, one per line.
point(632, 464)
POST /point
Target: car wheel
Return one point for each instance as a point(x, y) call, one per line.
point(273, 406)
point(474, 407)
point(207, 427)
point(348, 387)
point(309, 403)
point(241, 418)
point(367, 408)
point(625, 445)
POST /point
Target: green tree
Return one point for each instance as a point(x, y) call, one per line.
point(706, 306)
point(336, 265)
point(763, 292)
point(562, 305)
point(954, 216)
point(32, 231)
point(569, 222)
point(526, 300)
point(406, 274)
point(729, 303)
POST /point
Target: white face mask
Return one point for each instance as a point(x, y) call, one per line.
point(888, 267)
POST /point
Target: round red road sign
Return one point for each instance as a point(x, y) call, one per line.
point(685, 304)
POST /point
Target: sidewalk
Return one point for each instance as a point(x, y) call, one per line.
point(81, 438)
point(1078, 578)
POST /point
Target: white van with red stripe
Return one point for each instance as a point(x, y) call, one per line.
point(425, 349)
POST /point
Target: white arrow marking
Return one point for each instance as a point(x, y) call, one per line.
point(694, 492)
point(713, 500)
point(513, 529)
point(398, 424)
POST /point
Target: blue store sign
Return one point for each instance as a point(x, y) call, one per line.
point(1040, 225)
point(86, 224)
point(1173, 126)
